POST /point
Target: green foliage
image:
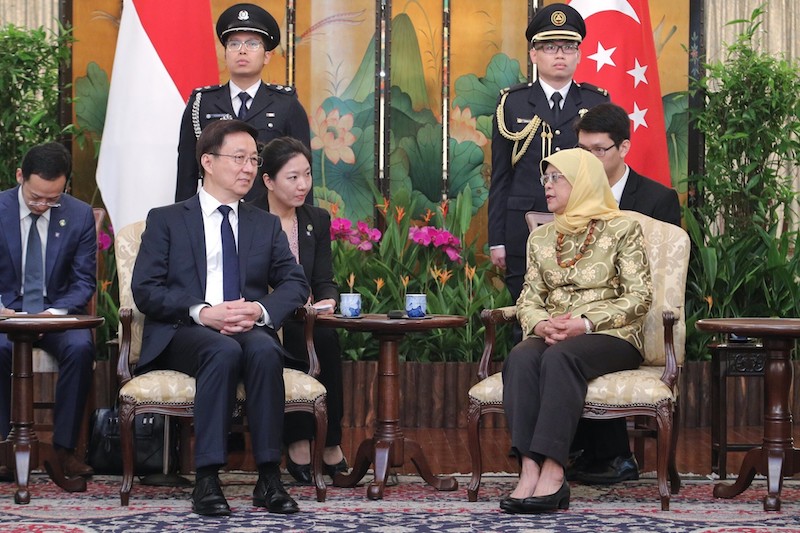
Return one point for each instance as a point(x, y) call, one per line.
point(383, 270)
point(29, 92)
point(743, 227)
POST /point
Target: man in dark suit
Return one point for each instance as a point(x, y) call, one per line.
point(534, 120)
point(202, 278)
point(249, 35)
point(605, 131)
point(48, 265)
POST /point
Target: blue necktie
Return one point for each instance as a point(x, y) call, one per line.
point(556, 99)
point(244, 97)
point(230, 258)
point(33, 299)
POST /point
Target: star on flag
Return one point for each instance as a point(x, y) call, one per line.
point(618, 54)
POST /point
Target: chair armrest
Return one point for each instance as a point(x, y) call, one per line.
point(670, 374)
point(490, 319)
point(123, 365)
point(308, 315)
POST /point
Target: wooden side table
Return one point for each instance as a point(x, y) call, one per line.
point(776, 457)
point(389, 447)
point(727, 361)
point(22, 443)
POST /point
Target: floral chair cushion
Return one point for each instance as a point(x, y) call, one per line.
point(172, 387)
point(642, 386)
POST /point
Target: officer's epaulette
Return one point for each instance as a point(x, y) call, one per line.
point(591, 88)
point(516, 87)
point(282, 89)
point(206, 89)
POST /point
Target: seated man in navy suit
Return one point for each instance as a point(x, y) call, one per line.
point(47, 265)
point(605, 131)
point(202, 279)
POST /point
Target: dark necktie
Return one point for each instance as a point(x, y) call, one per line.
point(556, 99)
point(230, 258)
point(244, 97)
point(33, 299)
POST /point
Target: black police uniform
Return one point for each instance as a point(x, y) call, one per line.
point(515, 187)
point(524, 132)
point(274, 112)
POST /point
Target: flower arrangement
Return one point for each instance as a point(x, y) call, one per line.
point(425, 255)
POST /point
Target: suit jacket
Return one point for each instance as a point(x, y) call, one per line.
point(650, 198)
point(515, 189)
point(169, 276)
point(275, 112)
point(70, 257)
point(314, 244)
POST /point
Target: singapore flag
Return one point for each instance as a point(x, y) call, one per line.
point(164, 50)
point(619, 55)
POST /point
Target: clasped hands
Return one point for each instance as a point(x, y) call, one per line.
point(558, 328)
point(230, 318)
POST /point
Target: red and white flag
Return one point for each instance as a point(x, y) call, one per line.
point(164, 50)
point(619, 54)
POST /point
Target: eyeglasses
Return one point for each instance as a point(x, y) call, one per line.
point(551, 178)
point(598, 151)
point(252, 45)
point(240, 159)
point(43, 202)
point(551, 48)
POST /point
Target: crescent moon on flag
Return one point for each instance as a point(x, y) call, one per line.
point(587, 8)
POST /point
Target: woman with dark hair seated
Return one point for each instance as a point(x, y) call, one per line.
point(587, 289)
point(287, 175)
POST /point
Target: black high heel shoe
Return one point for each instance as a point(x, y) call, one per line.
point(538, 504)
point(300, 473)
point(340, 467)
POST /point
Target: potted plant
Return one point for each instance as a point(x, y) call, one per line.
point(741, 216)
point(30, 94)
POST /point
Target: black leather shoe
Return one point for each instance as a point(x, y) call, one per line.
point(300, 473)
point(612, 471)
point(538, 504)
point(332, 470)
point(269, 493)
point(207, 498)
point(575, 467)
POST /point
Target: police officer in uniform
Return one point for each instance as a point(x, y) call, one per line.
point(534, 120)
point(249, 35)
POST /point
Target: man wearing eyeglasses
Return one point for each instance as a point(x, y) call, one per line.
point(48, 250)
point(605, 131)
point(202, 278)
point(249, 35)
point(534, 120)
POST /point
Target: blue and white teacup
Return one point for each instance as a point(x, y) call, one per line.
point(416, 305)
point(350, 304)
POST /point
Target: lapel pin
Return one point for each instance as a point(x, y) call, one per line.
point(309, 229)
point(62, 222)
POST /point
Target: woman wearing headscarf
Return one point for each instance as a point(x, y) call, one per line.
point(587, 289)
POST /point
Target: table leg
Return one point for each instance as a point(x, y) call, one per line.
point(775, 458)
point(364, 457)
point(418, 458)
point(23, 440)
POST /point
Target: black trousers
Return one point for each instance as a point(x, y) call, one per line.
point(219, 362)
point(544, 388)
point(300, 426)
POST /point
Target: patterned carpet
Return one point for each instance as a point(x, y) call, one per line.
point(409, 507)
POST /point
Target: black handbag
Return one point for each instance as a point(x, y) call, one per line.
point(104, 452)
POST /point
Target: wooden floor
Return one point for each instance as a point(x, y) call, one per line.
point(447, 450)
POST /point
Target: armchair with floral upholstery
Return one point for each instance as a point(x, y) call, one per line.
point(171, 393)
point(650, 391)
